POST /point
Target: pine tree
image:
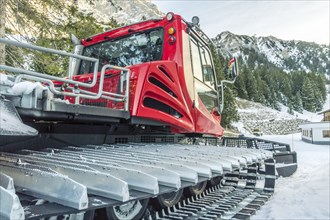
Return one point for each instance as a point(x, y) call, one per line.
point(260, 87)
point(320, 83)
point(273, 102)
point(318, 100)
point(269, 89)
point(251, 86)
point(48, 28)
point(240, 86)
point(286, 90)
point(297, 81)
point(308, 96)
point(229, 113)
point(290, 108)
point(297, 102)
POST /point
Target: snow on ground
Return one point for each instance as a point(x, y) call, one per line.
point(10, 123)
point(5, 80)
point(305, 115)
point(304, 195)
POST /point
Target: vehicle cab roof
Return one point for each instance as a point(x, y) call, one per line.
point(129, 29)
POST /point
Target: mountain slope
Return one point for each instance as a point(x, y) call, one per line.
point(287, 55)
point(123, 12)
point(270, 121)
point(29, 17)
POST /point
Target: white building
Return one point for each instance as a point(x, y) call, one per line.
point(317, 132)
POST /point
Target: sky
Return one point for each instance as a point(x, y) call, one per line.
point(306, 20)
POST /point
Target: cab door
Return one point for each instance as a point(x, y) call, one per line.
point(206, 112)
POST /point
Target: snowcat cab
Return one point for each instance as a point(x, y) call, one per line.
point(172, 78)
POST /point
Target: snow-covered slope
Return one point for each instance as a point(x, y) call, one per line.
point(123, 11)
point(270, 121)
point(60, 12)
point(288, 55)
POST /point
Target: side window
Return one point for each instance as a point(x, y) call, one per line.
point(326, 133)
point(196, 61)
point(203, 73)
point(207, 67)
point(202, 65)
point(207, 95)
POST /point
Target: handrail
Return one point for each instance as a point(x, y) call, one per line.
point(52, 51)
point(76, 92)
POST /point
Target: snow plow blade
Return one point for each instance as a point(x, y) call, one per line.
point(11, 123)
point(286, 160)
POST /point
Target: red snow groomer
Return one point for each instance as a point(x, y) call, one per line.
point(133, 132)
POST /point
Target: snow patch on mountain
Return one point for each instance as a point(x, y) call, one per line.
point(288, 55)
point(124, 12)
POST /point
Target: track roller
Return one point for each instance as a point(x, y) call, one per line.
point(132, 210)
point(195, 190)
point(167, 200)
point(214, 181)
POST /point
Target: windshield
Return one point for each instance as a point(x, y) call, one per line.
point(130, 50)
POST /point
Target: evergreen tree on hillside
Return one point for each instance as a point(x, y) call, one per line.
point(277, 86)
point(297, 103)
point(49, 25)
point(318, 102)
point(320, 83)
point(308, 96)
point(285, 89)
point(255, 59)
point(270, 85)
point(274, 103)
point(297, 81)
point(240, 84)
point(229, 113)
point(260, 88)
point(290, 108)
point(270, 91)
point(264, 82)
point(82, 26)
point(319, 91)
point(251, 86)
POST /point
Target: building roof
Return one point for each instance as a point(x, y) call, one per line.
point(324, 111)
point(324, 124)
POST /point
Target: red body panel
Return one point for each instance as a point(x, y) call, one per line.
point(158, 89)
point(174, 99)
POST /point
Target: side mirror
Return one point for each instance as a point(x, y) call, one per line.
point(233, 68)
point(232, 73)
